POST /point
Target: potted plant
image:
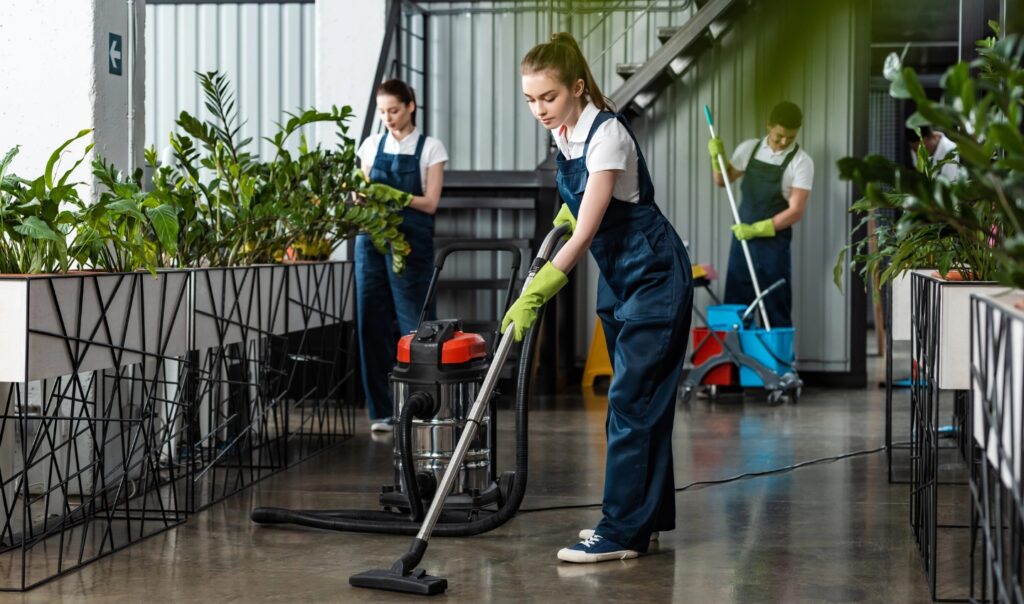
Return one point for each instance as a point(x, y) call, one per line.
point(81, 327)
point(239, 211)
point(238, 215)
point(967, 227)
point(68, 265)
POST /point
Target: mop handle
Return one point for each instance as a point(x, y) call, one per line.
point(723, 170)
point(483, 397)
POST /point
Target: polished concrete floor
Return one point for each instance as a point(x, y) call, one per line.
point(836, 532)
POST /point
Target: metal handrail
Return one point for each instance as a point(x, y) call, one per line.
point(660, 61)
point(393, 22)
point(625, 30)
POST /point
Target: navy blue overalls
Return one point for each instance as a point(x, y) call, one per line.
point(763, 199)
point(381, 294)
point(644, 301)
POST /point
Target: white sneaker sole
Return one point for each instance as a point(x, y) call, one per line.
point(588, 533)
point(571, 555)
point(381, 427)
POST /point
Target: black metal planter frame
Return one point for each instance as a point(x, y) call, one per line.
point(997, 503)
point(130, 402)
point(938, 466)
point(903, 445)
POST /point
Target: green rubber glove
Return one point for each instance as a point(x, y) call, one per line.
point(715, 148)
point(762, 228)
point(565, 217)
point(542, 288)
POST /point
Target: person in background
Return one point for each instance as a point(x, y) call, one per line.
point(408, 160)
point(938, 148)
point(775, 177)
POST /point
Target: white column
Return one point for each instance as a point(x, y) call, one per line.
point(348, 40)
point(55, 79)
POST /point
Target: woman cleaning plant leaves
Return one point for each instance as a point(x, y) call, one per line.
point(406, 159)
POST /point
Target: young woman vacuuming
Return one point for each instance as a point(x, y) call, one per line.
point(644, 297)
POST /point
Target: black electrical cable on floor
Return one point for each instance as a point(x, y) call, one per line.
point(782, 470)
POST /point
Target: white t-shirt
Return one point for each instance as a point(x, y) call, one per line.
point(799, 173)
point(433, 151)
point(611, 148)
point(945, 147)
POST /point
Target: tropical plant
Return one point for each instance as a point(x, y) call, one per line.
point(974, 222)
point(235, 209)
point(37, 217)
point(218, 206)
point(131, 229)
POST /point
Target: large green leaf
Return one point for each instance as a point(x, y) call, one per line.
point(164, 218)
point(34, 227)
point(55, 156)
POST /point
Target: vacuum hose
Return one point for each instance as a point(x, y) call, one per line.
point(420, 405)
point(376, 521)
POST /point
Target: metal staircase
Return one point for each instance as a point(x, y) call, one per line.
point(681, 46)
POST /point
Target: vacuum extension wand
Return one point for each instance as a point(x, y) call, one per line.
point(723, 170)
point(403, 575)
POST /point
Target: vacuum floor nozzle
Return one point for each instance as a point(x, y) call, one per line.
point(417, 582)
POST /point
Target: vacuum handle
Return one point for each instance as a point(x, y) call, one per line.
point(477, 246)
point(471, 246)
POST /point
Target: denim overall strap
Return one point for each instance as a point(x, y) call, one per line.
point(761, 187)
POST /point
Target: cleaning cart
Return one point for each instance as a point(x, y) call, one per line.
point(732, 343)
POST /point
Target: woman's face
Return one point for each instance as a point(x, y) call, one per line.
point(551, 101)
point(395, 114)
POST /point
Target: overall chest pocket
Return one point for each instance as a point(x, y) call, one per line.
point(405, 165)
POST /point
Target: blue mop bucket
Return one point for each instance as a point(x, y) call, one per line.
point(723, 317)
point(774, 350)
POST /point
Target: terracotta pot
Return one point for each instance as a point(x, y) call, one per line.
point(956, 275)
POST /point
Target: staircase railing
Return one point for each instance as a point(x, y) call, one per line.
point(392, 61)
point(674, 57)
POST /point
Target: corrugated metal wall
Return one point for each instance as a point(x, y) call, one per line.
point(803, 52)
point(474, 100)
point(266, 50)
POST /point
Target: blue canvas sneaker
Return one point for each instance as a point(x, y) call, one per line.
point(595, 549)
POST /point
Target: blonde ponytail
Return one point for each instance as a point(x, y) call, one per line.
point(562, 55)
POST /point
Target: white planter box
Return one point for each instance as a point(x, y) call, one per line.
point(1000, 328)
point(953, 305)
point(319, 294)
point(900, 288)
point(236, 303)
point(53, 325)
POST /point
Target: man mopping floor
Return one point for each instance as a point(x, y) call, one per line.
point(777, 176)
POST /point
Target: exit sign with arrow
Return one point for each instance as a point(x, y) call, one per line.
point(114, 61)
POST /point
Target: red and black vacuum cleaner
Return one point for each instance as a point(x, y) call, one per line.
point(445, 439)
